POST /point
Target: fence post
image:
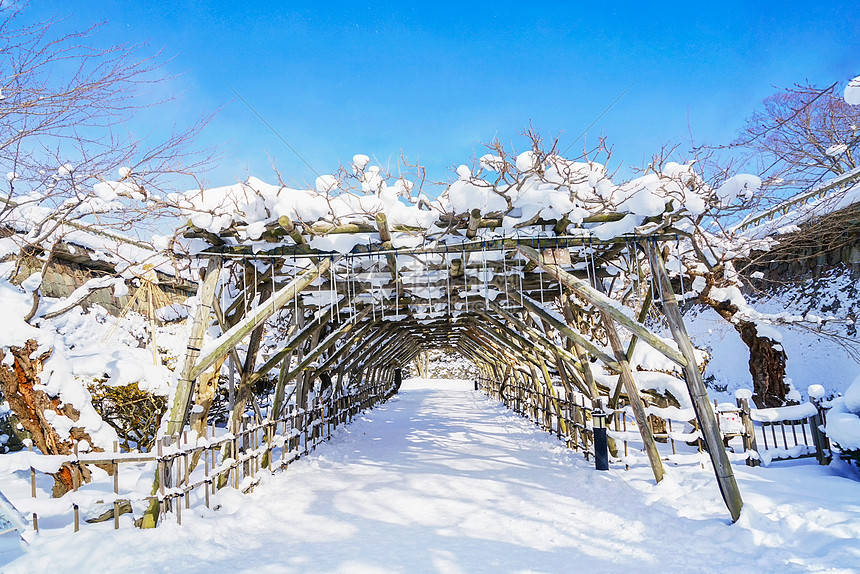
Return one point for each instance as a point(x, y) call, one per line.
point(742, 398)
point(816, 423)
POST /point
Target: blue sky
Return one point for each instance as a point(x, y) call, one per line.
point(435, 81)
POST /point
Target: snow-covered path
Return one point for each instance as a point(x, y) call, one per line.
point(443, 479)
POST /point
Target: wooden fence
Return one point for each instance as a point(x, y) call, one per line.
point(751, 435)
point(194, 468)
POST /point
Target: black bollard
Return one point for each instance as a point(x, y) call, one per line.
point(476, 384)
point(601, 445)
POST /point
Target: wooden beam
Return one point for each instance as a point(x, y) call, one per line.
point(185, 386)
point(315, 325)
point(458, 266)
point(567, 331)
point(631, 346)
point(259, 315)
point(555, 350)
point(570, 319)
point(330, 340)
point(377, 338)
point(699, 394)
point(604, 303)
point(366, 326)
point(634, 398)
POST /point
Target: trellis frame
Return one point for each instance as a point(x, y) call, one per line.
point(496, 336)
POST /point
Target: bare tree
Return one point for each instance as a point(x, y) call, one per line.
point(64, 108)
point(72, 164)
point(800, 137)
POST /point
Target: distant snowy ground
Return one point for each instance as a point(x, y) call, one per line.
point(443, 479)
point(812, 358)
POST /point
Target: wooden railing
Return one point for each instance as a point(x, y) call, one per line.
point(191, 469)
point(751, 435)
point(574, 426)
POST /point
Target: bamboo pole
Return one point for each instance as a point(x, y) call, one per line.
point(699, 395)
point(258, 316)
point(634, 398)
point(185, 385)
point(604, 303)
point(643, 313)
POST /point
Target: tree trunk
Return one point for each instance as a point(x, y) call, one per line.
point(31, 405)
point(767, 366)
point(767, 357)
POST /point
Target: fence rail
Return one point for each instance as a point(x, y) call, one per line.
point(751, 435)
point(191, 469)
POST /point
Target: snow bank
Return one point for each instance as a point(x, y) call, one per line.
point(445, 480)
point(843, 419)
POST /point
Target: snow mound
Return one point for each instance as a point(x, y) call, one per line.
point(852, 92)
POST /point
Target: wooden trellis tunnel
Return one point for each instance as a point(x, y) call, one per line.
point(529, 311)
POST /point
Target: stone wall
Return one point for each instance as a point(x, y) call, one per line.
point(829, 243)
point(69, 269)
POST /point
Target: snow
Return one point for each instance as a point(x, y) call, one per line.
point(813, 358)
point(843, 428)
point(815, 392)
point(852, 92)
point(326, 183)
point(444, 479)
point(852, 396)
point(742, 186)
point(785, 217)
point(492, 162)
point(836, 150)
point(359, 161)
point(789, 413)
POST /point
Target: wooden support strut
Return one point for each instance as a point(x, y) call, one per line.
point(330, 340)
point(374, 341)
point(568, 331)
point(699, 395)
point(588, 390)
point(547, 353)
point(634, 398)
point(259, 315)
point(309, 330)
point(609, 313)
point(490, 339)
point(345, 347)
point(185, 386)
point(604, 303)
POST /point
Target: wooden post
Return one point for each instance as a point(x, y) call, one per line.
point(749, 439)
point(634, 398)
point(819, 438)
point(698, 393)
point(115, 491)
point(185, 386)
